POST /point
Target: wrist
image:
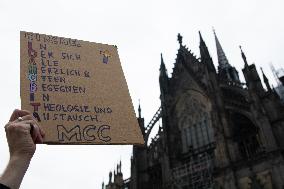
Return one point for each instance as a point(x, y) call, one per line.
point(20, 159)
point(15, 171)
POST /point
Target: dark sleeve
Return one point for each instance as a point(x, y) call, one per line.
point(3, 186)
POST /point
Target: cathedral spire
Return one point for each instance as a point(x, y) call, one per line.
point(222, 59)
point(140, 120)
point(139, 109)
point(204, 54)
point(110, 177)
point(200, 37)
point(179, 38)
point(244, 56)
point(266, 81)
point(163, 69)
point(225, 70)
point(163, 79)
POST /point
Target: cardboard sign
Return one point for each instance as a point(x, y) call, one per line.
point(77, 91)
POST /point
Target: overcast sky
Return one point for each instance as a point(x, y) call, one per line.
point(141, 30)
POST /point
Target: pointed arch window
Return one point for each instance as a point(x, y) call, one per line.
point(197, 134)
point(246, 134)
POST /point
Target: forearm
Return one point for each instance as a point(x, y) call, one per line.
point(15, 172)
point(22, 132)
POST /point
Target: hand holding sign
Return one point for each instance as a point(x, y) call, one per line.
point(77, 90)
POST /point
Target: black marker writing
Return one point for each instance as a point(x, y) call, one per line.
point(87, 133)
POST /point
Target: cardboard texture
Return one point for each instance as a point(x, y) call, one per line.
point(77, 91)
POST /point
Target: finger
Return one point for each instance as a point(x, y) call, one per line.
point(41, 132)
point(29, 126)
point(24, 126)
point(35, 131)
point(30, 118)
point(18, 113)
point(29, 123)
point(26, 117)
point(34, 122)
point(26, 122)
point(39, 138)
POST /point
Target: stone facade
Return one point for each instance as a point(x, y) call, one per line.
point(216, 132)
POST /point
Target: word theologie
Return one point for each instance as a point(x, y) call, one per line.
point(77, 91)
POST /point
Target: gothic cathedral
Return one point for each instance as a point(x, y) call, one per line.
point(216, 133)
